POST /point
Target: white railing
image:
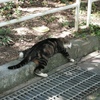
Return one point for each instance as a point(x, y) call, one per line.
point(54, 10)
point(89, 11)
point(2, 1)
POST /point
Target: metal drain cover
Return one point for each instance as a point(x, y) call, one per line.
point(71, 83)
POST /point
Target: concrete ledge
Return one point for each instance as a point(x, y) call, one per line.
point(10, 79)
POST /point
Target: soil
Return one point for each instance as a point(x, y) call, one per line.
point(23, 34)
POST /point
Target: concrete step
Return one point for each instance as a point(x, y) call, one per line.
point(11, 78)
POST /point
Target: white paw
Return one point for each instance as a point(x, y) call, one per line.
point(21, 55)
point(42, 74)
point(72, 60)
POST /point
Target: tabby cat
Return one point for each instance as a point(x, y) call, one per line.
point(42, 51)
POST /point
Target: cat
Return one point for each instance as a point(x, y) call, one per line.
point(42, 51)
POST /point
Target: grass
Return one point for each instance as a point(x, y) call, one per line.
point(93, 30)
point(5, 39)
point(48, 19)
point(8, 9)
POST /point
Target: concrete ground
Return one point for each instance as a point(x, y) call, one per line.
point(16, 79)
point(90, 62)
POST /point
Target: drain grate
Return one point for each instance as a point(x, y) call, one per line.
point(71, 83)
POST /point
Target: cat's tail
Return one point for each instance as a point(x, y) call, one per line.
point(21, 64)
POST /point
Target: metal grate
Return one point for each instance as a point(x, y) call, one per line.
point(71, 83)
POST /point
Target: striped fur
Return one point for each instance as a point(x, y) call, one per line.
point(42, 51)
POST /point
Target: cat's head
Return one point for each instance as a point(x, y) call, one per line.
point(67, 45)
point(66, 42)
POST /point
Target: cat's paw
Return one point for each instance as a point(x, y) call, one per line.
point(72, 60)
point(42, 74)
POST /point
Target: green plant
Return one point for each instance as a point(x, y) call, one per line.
point(5, 39)
point(67, 24)
point(83, 23)
point(48, 19)
point(64, 24)
point(51, 19)
point(94, 29)
point(65, 1)
point(45, 3)
point(18, 13)
point(83, 6)
point(94, 7)
point(4, 31)
point(8, 9)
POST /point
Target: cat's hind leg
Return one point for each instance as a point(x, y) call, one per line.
point(39, 69)
point(71, 60)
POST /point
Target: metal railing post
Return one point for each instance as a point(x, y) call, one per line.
point(77, 15)
point(76, 5)
point(89, 11)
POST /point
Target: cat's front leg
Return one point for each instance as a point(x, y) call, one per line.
point(66, 55)
point(71, 60)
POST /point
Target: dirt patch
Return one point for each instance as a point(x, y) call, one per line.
point(23, 34)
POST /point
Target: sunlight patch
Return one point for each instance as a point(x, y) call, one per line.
point(33, 9)
point(65, 33)
point(90, 68)
point(41, 28)
point(22, 30)
point(55, 97)
point(96, 60)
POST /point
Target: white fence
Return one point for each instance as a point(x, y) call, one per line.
point(89, 11)
point(2, 1)
point(54, 10)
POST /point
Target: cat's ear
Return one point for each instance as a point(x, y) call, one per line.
point(70, 36)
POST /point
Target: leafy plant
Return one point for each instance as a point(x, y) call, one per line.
point(4, 31)
point(83, 6)
point(67, 24)
point(8, 9)
point(94, 7)
point(48, 19)
point(65, 1)
point(64, 23)
point(83, 23)
point(94, 29)
point(45, 3)
point(51, 19)
point(5, 39)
